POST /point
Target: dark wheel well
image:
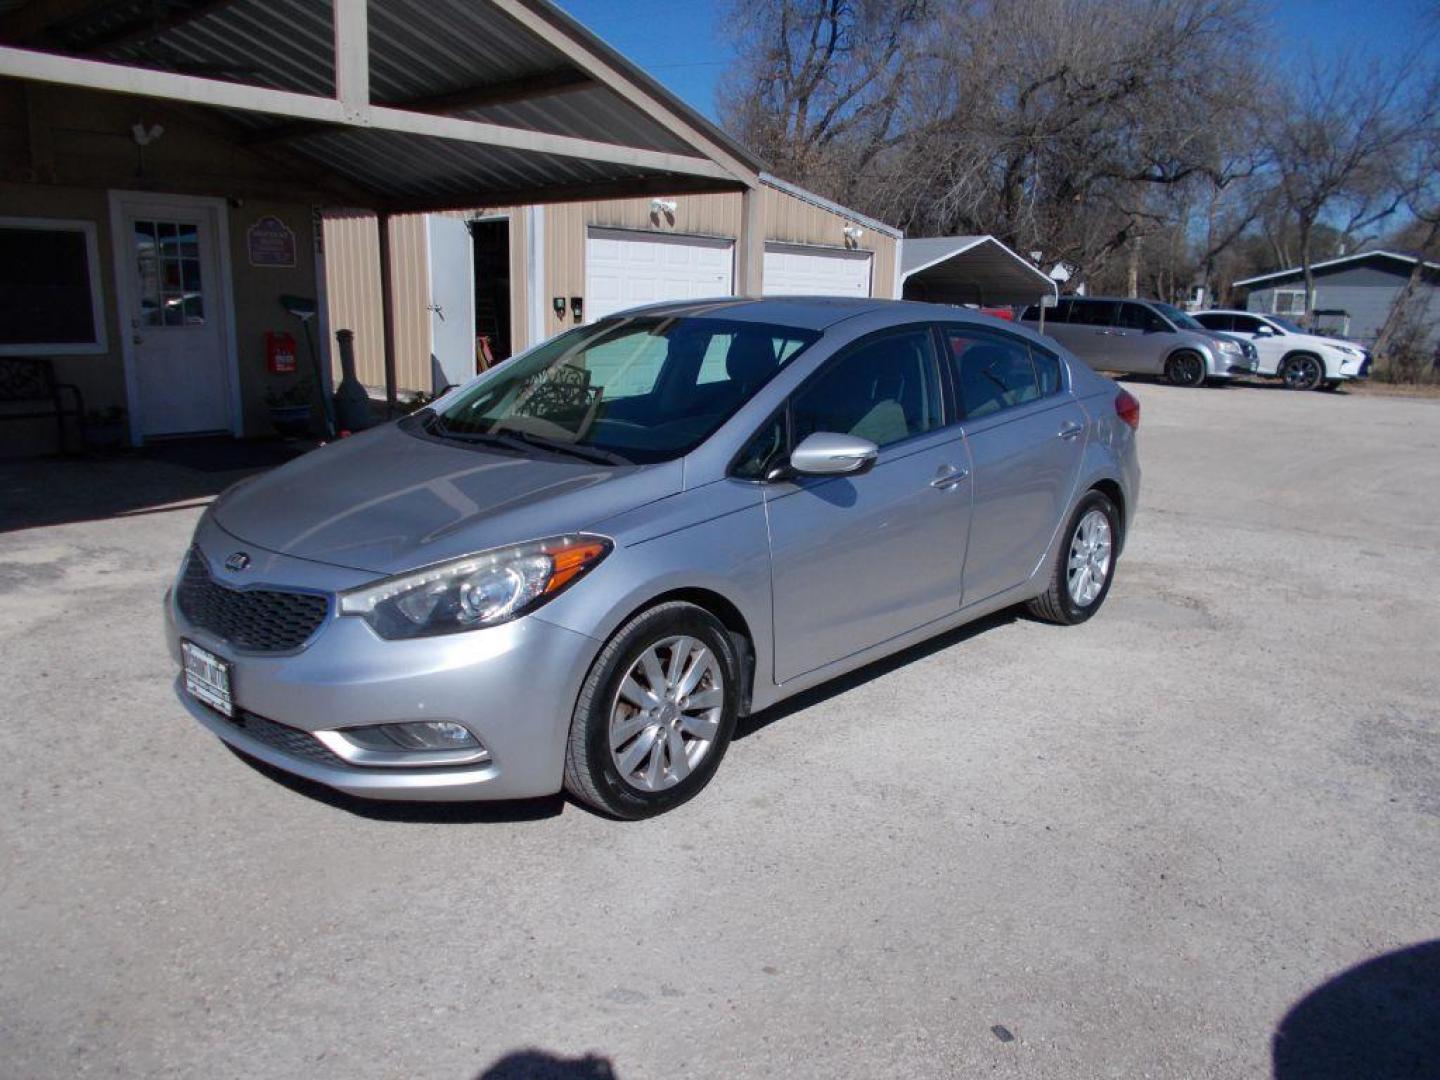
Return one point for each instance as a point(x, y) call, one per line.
point(1111, 490)
point(730, 617)
point(1304, 352)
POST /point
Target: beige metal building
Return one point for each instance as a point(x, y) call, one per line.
point(520, 275)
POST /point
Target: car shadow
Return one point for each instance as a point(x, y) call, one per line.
point(419, 813)
point(539, 1065)
point(749, 725)
point(1379, 1020)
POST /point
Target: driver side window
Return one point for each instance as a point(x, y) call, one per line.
point(885, 390)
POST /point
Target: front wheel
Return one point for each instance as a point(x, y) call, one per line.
point(1185, 369)
point(1303, 372)
point(1080, 579)
point(655, 714)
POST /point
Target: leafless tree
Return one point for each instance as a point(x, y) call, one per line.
point(1339, 143)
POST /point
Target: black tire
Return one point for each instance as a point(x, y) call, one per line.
point(591, 773)
point(1303, 371)
point(1056, 605)
point(1185, 368)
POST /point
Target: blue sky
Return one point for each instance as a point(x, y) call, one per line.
point(681, 43)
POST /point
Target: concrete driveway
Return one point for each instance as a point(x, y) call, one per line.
point(1127, 849)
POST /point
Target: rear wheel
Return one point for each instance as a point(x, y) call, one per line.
point(655, 714)
point(1185, 369)
point(1302, 372)
point(1085, 565)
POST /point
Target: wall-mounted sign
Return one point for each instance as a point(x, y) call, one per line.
point(270, 242)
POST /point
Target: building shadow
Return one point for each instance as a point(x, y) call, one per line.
point(1380, 1021)
point(182, 474)
point(749, 725)
point(419, 813)
point(539, 1065)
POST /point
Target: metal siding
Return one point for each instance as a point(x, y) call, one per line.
point(1367, 306)
point(788, 219)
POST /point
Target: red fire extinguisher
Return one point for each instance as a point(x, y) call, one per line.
point(280, 352)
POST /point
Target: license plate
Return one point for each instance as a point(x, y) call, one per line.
point(207, 677)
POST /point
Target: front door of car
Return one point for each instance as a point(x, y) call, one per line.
point(1026, 435)
point(1138, 339)
point(1270, 344)
point(857, 560)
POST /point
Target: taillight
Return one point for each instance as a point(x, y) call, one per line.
point(1127, 407)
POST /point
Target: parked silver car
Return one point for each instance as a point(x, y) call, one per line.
point(1145, 337)
point(582, 567)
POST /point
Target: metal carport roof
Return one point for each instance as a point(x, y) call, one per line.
point(414, 104)
point(969, 270)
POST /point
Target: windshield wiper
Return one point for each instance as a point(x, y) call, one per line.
point(585, 453)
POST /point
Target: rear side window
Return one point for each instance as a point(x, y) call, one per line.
point(1047, 371)
point(885, 389)
point(993, 372)
point(1094, 312)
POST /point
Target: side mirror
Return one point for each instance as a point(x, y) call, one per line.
point(1264, 330)
point(827, 453)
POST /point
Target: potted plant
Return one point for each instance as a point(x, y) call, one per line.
point(103, 429)
point(290, 409)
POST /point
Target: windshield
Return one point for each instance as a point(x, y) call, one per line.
point(1286, 324)
point(1176, 316)
point(623, 391)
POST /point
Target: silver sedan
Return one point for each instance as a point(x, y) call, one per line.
point(578, 570)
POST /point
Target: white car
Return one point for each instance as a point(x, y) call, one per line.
point(1287, 351)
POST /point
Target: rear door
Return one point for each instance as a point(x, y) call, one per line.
point(1091, 333)
point(1026, 434)
point(857, 560)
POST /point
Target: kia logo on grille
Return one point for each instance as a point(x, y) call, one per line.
point(238, 561)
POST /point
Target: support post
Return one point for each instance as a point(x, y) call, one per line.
point(387, 312)
point(751, 247)
point(352, 56)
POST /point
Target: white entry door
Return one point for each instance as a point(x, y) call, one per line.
point(794, 270)
point(168, 251)
point(624, 270)
point(452, 300)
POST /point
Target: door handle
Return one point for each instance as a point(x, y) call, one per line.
point(1070, 430)
point(949, 478)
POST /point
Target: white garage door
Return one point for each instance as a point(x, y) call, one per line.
point(623, 270)
point(791, 270)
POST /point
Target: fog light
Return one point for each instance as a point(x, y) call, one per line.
point(413, 735)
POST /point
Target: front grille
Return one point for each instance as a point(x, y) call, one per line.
point(288, 740)
point(255, 620)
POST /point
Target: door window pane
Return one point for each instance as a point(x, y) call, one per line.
point(884, 390)
point(992, 372)
point(1094, 312)
point(1047, 371)
point(169, 279)
point(1140, 317)
point(1246, 324)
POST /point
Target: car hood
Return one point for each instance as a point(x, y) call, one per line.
point(387, 501)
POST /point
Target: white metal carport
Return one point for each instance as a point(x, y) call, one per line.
point(969, 270)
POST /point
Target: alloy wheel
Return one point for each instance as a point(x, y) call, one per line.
point(1302, 373)
point(666, 713)
point(1089, 563)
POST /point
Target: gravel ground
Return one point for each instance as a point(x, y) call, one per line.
point(1126, 849)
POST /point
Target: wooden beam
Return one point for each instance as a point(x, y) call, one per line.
point(602, 189)
point(197, 90)
point(545, 84)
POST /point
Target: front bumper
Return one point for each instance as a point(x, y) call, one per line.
point(514, 686)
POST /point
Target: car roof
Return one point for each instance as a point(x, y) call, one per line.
point(801, 312)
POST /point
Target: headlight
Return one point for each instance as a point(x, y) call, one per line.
point(1231, 347)
point(1349, 350)
point(478, 590)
